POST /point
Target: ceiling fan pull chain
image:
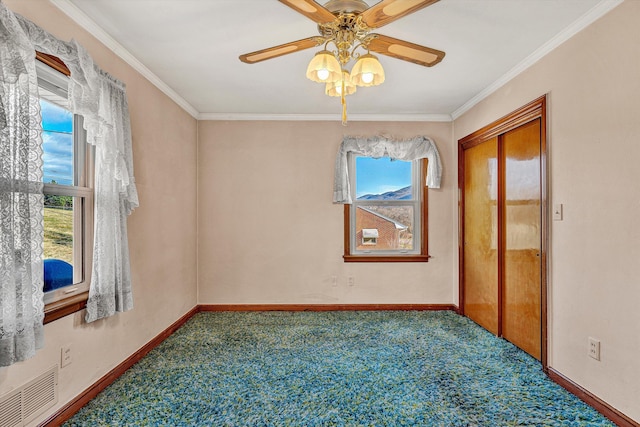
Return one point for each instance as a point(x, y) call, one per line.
point(344, 106)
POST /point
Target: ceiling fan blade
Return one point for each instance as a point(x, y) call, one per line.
point(283, 49)
point(389, 10)
point(406, 51)
point(311, 10)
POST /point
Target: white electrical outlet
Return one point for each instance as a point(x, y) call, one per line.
point(334, 281)
point(352, 281)
point(594, 348)
point(65, 356)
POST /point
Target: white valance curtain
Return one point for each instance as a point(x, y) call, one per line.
point(419, 147)
point(101, 100)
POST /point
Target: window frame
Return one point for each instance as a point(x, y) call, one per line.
point(70, 299)
point(421, 254)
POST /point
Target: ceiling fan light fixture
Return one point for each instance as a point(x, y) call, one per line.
point(324, 68)
point(335, 88)
point(367, 71)
point(347, 24)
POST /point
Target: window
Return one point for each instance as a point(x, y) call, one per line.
point(68, 197)
point(369, 236)
point(387, 220)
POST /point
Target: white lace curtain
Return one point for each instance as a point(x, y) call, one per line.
point(101, 100)
point(21, 198)
point(419, 147)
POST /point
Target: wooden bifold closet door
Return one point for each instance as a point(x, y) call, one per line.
point(502, 249)
point(480, 234)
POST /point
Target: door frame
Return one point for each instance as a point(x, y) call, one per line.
point(536, 109)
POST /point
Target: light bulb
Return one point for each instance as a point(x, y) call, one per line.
point(323, 74)
point(339, 89)
point(367, 77)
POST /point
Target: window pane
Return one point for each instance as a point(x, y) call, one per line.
point(57, 142)
point(383, 228)
point(383, 179)
point(59, 254)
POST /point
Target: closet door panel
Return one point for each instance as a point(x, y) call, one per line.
point(521, 275)
point(480, 234)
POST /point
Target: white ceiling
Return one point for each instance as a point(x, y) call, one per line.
point(190, 49)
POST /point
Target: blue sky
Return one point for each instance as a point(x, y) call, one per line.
point(57, 143)
point(377, 176)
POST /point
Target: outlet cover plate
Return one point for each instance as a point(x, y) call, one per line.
point(65, 356)
point(594, 348)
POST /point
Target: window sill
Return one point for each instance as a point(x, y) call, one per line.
point(65, 307)
point(387, 258)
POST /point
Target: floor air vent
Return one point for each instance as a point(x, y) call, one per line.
point(22, 405)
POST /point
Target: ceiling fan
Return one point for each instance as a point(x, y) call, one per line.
point(348, 25)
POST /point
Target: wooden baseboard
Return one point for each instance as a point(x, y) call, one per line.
point(326, 307)
point(592, 400)
point(67, 411)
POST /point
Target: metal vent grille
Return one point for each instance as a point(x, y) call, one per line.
point(11, 409)
point(25, 403)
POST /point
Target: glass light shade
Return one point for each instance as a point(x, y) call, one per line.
point(367, 71)
point(324, 68)
point(335, 88)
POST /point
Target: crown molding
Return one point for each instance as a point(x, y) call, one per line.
point(98, 32)
point(327, 117)
point(77, 15)
point(587, 19)
point(94, 29)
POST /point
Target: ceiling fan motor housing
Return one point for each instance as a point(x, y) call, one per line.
point(346, 31)
point(346, 6)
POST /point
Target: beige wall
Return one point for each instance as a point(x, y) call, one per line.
point(269, 232)
point(593, 82)
point(162, 232)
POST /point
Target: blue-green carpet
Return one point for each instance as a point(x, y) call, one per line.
point(335, 369)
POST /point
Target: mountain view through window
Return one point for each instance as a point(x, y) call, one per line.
point(382, 225)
